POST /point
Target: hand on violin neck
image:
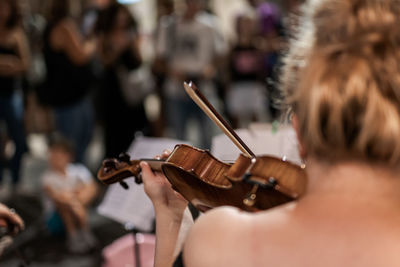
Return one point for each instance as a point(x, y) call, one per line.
point(160, 192)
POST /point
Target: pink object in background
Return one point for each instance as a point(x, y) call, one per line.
point(120, 253)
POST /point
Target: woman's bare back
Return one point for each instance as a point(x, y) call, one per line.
point(298, 234)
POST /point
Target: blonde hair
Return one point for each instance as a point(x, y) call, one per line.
point(342, 78)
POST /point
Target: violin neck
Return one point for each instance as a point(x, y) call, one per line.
point(155, 164)
point(114, 170)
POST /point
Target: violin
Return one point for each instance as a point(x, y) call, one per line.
point(250, 183)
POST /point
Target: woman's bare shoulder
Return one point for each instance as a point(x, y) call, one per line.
point(230, 218)
point(226, 229)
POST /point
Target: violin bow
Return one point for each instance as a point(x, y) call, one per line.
point(210, 111)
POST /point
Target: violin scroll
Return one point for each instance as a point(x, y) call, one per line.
point(116, 170)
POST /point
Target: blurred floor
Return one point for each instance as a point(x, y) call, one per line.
point(35, 244)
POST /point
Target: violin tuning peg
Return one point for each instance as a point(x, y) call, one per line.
point(272, 182)
point(124, 185)
point(138, 179)
point(124, 157)
point(109, 164)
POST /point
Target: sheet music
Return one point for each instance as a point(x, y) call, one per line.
point(133, 205)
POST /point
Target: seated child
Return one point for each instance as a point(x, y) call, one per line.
point(69, 189)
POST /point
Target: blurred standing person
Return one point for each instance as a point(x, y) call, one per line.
point(271, 40)
point(92, 10)
point(208, 16)
point(120, 54)
point(271, 33)
point(91, 13)
point(14, 62)
point(69, 76)
point(189, 48)
point(246, 97)
point(165, 8)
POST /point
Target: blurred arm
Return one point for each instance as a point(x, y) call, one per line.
point(11, 65)
point(70, 41)
point(87, 193)
point(173, 219)
point(112, 47)
point(59, 198)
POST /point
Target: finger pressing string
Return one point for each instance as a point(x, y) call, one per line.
point(145, 168)
point(146, 172)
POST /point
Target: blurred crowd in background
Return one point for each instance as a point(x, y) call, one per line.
point(76, 67)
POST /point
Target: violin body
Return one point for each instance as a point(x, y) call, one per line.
point(249, 184)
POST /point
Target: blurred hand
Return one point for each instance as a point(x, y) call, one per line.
point(8, 218)
point(91, 45)
point(159, 190)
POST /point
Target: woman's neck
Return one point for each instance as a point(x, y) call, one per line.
point(352, 178)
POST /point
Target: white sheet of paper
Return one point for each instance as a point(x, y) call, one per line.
point(133, 206)
point(262, 139)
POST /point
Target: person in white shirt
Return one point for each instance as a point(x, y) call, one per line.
point(69, 189)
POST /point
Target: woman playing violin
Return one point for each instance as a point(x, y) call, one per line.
point(342, 80)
